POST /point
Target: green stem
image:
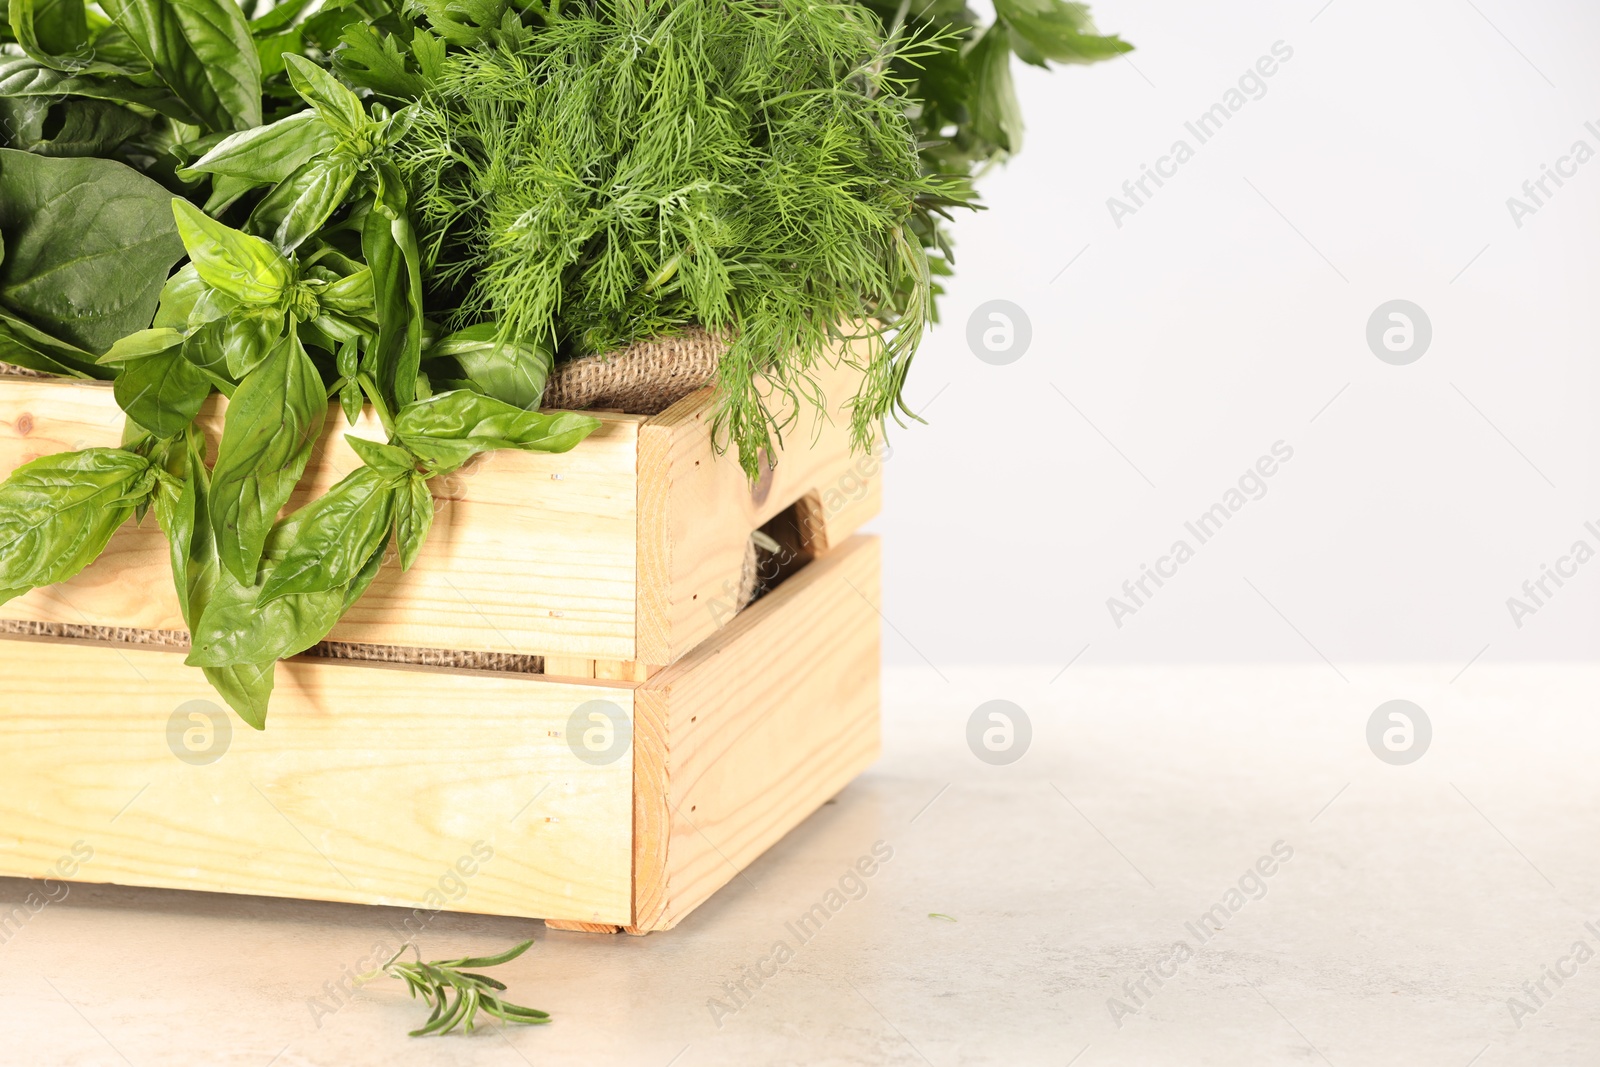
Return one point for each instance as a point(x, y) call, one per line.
point(373, 394)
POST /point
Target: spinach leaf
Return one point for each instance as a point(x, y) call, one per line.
point(450, 428)
point(23, 346)
point(272, 423)
point(337, 536)
point(22, 77)
point(202, 51)
point(89, 244)
point(236, 264)
point(506, 370)
point(87, 128)
point(58, 513)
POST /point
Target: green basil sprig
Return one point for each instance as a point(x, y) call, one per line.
point(58, 513)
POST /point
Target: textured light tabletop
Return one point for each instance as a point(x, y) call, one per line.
point(1332, 907)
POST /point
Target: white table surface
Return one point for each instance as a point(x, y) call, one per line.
point(1415, 903)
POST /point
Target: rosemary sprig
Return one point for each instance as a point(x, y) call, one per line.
point(456, 994)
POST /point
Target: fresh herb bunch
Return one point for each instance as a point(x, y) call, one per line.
point(455, 993)
point(633, 168)
point(303, 284)
point(415, 207)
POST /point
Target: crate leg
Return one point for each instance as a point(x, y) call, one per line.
point(582, 928)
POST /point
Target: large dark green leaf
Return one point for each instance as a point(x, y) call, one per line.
point(337, 535)
point(24, 78)
point(202, 51)
point(24, 346)
point(58, 512)
point(448, 429)
point(87, 128)
point(272, 423)
point(89, 244)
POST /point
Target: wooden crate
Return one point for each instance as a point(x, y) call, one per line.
point(620, 555)
point(444, 789)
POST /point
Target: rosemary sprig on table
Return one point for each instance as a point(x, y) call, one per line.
point(457, 994)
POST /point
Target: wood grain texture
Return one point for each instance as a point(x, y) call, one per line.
point(529, 553)
point(697, 510)
point(370, 785)
point(753, 730)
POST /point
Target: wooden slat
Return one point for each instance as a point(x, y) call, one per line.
point(697, 510)
point(753, 731)
point(529, 553)
point(368, 785)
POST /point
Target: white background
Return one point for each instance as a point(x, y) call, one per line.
point(1206, 328)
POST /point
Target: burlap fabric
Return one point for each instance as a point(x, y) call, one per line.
point(643, 379)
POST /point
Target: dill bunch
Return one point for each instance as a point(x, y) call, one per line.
point(630, 167)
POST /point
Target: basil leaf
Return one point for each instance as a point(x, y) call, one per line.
point(58, 513)
point(23, 78)
point(202, 51)
point(448, 429)
point(413, 517)
point(302, 203)
point(266, 155)
point(60, 26)
point(337, 106)
point(248, 336)
point(181, 513)
point(514, 372)
point(390, 247)
point(272, 423)
point(351, 400)
point(391, 462)
point(236, 630)
point(179, 297)
point(151, 342)
point(162, 393)
point(351, 296)
point(89, 244)
point(338, 534)
point(236, 264)
point(23, 346)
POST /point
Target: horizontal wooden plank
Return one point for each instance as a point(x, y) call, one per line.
point(529, 553)
point(404, 786)
point(752, 731)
